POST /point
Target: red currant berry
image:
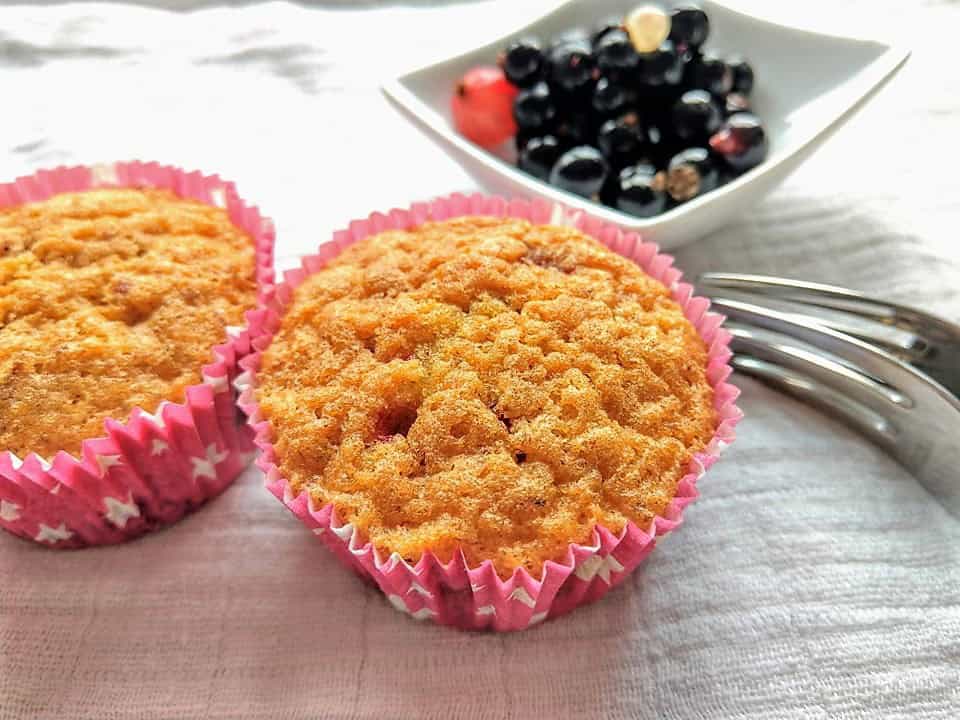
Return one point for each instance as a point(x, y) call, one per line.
point(482, 106)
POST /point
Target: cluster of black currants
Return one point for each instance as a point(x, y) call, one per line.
point(636, 115)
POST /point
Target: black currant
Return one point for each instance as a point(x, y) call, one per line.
point(572, 68)
point(621, 140)
point(689, 27)
point(690, 173)
point(696, 116)
point(741, 142)
point(575, 128)
point(522, 137)
point(533, 108)
point(709, 72)
point(615, 54)
point(663, 66)
point(640, 191)
point(611, 98)
point(581, 171)
point(612, 23)
point(661, 145)
point(539, 156)
point(522, 62)
point(742, 75)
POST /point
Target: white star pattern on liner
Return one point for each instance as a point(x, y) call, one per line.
point(344, 532)
point(51, 535)
point(417, 587)
point(55, 490)
point(391, 564)
point(158, 446)
point(319, 531)
point(476, 588)
point(15, 462)
point(522, 596)
point(157, 419)
point(560, 215)
point(120, 512)
point(421, 614)
point(486, 610)
point(9, 511)
point(218, 196)
point(243, 380)
point(207, 466)
point(107, 461)
point(217, 382)
point(44, 463)
point(717, 446)
point(537, 618)
point(596, 565)
point(234, 331)
point(398, 603)
point(104, 174)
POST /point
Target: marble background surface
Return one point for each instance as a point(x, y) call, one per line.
point(814, 578)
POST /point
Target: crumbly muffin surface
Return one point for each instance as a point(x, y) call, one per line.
point(110, 299)
point(486, 384)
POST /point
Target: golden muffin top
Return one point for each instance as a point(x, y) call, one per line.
point(110, 299)
point(489, 385)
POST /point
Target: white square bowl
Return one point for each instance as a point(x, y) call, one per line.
point(808, 84)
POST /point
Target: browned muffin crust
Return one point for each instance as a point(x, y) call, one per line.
point(486, 384)
point(110, 299)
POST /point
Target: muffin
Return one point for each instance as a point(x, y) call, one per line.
point(111, 302)
point(484, 393)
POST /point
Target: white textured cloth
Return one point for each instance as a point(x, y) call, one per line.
point(813, 579)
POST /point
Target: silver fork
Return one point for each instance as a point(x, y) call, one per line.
point(890, 371)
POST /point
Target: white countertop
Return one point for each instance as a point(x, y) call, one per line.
point(813, 579)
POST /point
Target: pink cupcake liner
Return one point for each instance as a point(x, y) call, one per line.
point(476, 598)
point(153, 468)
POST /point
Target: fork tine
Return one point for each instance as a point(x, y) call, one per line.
point(772, 285)
point(794, 355)
point(802, 291)
point(878, 364)
point(935, 349)
point(814, 392)
point(903, 344)
point(838, 298)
